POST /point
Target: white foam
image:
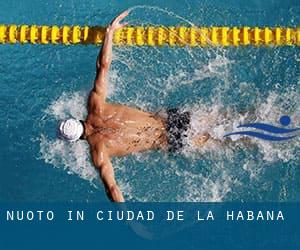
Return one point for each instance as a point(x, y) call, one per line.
point(271, 110)
point(216, 121)
point(72, 157)
point(68, 105)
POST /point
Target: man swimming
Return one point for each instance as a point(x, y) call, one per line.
point(117, 130)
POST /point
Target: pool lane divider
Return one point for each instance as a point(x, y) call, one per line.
point(152, 35)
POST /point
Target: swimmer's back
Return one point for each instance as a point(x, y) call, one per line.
point(126, 130)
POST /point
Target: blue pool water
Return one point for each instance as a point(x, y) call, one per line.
point(42, 84)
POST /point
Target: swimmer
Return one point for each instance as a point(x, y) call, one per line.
point(114, 130)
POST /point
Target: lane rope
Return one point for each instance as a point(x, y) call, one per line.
point(152, 35)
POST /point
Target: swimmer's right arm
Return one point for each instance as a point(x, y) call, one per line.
point(103, 164)
point(105, 56)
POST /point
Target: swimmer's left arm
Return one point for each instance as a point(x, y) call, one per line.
point(103, 164)
point(105, 56)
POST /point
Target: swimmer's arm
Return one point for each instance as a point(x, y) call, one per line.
point(103, 164)
point(103, 64)
point(105, 56)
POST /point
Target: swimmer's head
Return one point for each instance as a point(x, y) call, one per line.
point(70, 130)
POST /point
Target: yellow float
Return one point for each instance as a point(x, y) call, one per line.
point(152, 35)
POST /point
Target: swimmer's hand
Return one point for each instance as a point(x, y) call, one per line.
point(115, 24)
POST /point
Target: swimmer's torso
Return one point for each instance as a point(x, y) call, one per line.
point(124, 130)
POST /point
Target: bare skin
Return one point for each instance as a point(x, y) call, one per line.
point(118, 130)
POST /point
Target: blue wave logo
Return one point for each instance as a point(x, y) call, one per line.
point(279, 133)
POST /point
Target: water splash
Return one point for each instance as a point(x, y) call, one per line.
point(214, 84)
point(192, 185)
point(74, 158)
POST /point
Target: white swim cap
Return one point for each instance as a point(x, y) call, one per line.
point(70, 130)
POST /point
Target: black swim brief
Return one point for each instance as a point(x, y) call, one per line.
point(177, 125)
